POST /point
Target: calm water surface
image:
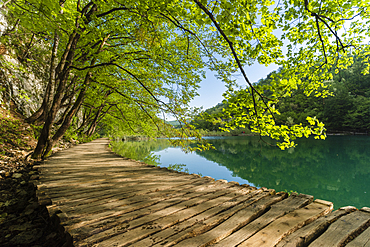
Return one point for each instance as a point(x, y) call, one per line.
point(336, 170)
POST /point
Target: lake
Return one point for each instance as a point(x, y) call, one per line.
point(336, 170)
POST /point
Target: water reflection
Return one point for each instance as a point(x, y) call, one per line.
point(337, 169)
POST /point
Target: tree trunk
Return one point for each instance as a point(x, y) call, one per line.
point(85, 120)
point(50, 117)
point(62, 73)
point(98, 121)
point(68, 119)
point(61, 119)
point(95, 120)
point(28, 47)
point(49, 92)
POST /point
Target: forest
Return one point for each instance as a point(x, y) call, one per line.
point(345, 109)
point(75, 70)
point(85, 68)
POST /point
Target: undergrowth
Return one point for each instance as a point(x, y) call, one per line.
point(15, 133)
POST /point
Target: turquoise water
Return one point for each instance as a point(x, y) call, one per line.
point(336, 170)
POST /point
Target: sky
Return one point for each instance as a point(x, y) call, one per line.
point(211, 89)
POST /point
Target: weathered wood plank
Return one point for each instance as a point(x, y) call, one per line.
point(140, 206)
point(277, 210)
point(205, 220)
point(342, 229)
point(222, 204)
point(118, 200)
point(116, 216)
point(308, 233)
point(118, 206)
point(194, 192)
point(87, 183)
point(363, 240)
point(283, 226)
point(232, 224)
point(106, 179)
point(117, 173)
point(86, 186)
point(194, 199)
point(127, 191)
point(168, 220)
point(202, 226)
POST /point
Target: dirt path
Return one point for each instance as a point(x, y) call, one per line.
point(103, 199)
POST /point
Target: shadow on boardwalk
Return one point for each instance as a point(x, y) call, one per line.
point(106, 200)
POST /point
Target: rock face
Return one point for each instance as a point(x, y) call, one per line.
point(3, 22)
point(21, 86)
point(24, 89)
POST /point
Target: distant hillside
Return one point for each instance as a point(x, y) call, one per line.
point(173, 122)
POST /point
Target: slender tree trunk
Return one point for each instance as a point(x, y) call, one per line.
point(61, 119)
point(62, 73)
point(93, 124)
point(68, 119)
point(98, 121)
point(49, 92)
point(28, 47)
point(50, 117)
point(85, 120)
point(67, 122)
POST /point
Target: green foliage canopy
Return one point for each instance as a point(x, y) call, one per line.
point(318, 37)
point(148, 56)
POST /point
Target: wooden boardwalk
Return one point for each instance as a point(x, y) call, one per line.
point(106, 200)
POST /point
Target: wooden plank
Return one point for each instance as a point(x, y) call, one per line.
point(108, 179)
point(240, 197)
point(88, 172)
point(81, 188)
point(90, 214)
point(123, 217)
point(204, 225)
point(277, 210)
point(86, 185)
point(164, 222)
point(137, 210)
point(283, 226)
point(195, 199)
point(129, 191)
point(341, 230)
point(308, 233)
point(235, 222)
point(56, 193)
point(118, 200)
point(176, 233)
point(79, 166)
point(116, 216)
point(363, 240)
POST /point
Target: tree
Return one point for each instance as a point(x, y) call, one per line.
point(108, 46)
point(316, 42)
point(150, 55)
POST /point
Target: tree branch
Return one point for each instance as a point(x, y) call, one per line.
point(234, 55)
point(322, 41)
point(4, 5)
point(123, 116)
point(110, 11)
